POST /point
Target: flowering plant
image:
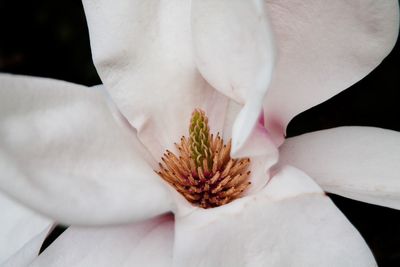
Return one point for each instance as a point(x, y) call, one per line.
point(69, 153)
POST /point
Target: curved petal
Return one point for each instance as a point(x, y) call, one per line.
point(66, 151)
point(263, 155)
point(362, 163)
point(143, 54)
point(290, 223)
point(259, 148)
point(22, 233)
point(324, 47)
point(235, 53)
point(148, 243)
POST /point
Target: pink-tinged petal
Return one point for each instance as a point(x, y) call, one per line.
point(260, 148)
point(324, 47)
point(22, 232)
point(289, 223)
point(362, 163)
point(148, 243)
point(235, 53)
point(263, 155)
point(143, 53)
point(67, 152)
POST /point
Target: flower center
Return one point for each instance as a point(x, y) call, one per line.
point(203, 172)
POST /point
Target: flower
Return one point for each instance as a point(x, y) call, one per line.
point(22, 233)
point(72, 156)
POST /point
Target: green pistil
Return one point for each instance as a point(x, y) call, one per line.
point(199, 132)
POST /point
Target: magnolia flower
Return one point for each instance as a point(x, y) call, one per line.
point(86, 156)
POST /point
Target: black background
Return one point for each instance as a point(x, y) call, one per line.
point(50, 39)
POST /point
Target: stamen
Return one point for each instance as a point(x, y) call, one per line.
point(203, 172)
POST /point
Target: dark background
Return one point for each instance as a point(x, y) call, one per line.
point(50, 39)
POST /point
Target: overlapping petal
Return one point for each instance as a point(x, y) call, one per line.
point(148, 243)
point(259, 147)
point(323, 48)
point(28, 253)
point(356, 162)
point(290, 223)
point(234, 51)
point(22, 232)
point(67, 152)
point(143, 53)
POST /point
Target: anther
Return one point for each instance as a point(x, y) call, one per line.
point(203, 172)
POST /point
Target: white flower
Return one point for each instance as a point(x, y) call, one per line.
point(67, 152)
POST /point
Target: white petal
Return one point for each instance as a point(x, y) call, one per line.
point(324, 47)
point(362, 163)
point(29, 252)
point(235, 53)
point(263, 155)
point(148, 243)
point(259, 148)
point(67, 152)
point(22, 233)
point(290, 223)
point(143, 53)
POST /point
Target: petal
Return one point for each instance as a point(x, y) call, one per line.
point(324, 47)
point(22, 233)
point(259, 148)
point(143, 53)
point(356, 162)
point(66, 151)
point(148, 243)
point(290, 223)
point(235, 53)
point(29, 252)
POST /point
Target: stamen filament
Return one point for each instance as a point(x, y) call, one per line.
point(203, 172)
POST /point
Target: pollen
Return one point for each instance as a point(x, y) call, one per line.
point(203, 171)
